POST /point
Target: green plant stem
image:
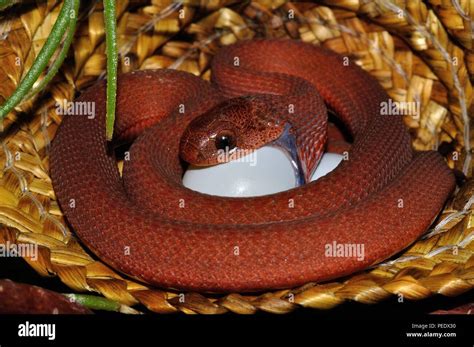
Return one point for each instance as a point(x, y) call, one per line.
point(112, 61)
point(41, 60)
point(54, 68)
point(94, 302)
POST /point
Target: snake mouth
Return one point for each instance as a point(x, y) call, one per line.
point(193, 155)
point(203, 164)
point(204, 150)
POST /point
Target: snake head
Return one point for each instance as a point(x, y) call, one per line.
point(229, 131)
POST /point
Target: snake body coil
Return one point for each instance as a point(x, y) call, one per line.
point(150, 227)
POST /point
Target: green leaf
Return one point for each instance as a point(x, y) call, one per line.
point(41, 61)
point(112, 61)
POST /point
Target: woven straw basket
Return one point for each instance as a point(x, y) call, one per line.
point(419, 51)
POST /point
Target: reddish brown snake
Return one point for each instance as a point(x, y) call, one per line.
point(150, 227)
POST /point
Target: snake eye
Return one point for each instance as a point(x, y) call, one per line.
point(225, 140)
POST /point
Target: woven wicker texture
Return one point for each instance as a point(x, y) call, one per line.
point(419, 51)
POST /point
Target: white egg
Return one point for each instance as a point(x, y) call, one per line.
point(328, 162)
point(268, 170)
